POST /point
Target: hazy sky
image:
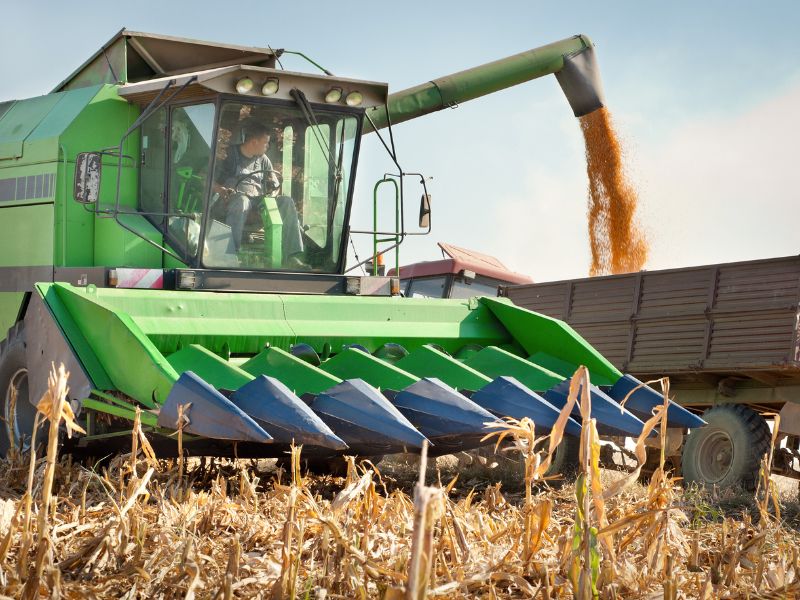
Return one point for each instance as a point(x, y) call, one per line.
point(704, 95)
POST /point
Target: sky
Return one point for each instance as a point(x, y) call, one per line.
point(704, 96)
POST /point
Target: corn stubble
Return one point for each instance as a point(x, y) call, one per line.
point(618, 244)
point(150, 528)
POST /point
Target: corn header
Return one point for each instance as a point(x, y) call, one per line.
point(124, 255)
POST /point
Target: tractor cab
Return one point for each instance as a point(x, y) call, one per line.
point(461, 273)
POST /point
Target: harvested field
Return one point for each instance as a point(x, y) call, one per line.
point(147, 528)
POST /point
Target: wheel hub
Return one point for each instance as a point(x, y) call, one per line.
point(715, 456)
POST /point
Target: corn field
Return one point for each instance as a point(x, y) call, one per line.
point(143, 527)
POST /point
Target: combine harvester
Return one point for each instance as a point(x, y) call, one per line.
point(120, 258)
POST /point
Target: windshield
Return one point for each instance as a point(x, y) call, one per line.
point(267, 189)
point(279, 188)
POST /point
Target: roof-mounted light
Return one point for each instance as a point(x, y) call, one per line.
point(333, 95)
point(270, 86)
point(244, 85)
point(354, 99)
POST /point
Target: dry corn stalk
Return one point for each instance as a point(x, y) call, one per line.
point(426, 514)
point(120, 535)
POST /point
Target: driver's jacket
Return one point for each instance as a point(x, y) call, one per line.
point(236, 164)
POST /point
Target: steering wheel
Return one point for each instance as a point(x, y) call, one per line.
point(263, 172)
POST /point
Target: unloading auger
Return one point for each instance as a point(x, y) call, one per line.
point(123, 264)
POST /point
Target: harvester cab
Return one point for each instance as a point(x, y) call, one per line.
point(174, 228)
point(242, 167)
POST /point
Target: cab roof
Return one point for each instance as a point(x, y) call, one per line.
point(131, 56)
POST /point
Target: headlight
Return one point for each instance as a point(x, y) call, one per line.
point(334, 95)
point(269, 87)
point(244, 85)
point(354, 99)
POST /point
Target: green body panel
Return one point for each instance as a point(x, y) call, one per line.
point(496, 362)
point(42, 143)
point(27, 235)
point(211, 367)
point(19, 122)
point(132, 362)
point(457, 88)
point(73, 333)
point(40, 138)
point(10, 303)
point(299, 376)
point(430, 362)
point(119, 247)
point(540, 334)
point(352, 363)
point(273, 232)
point(100, 124)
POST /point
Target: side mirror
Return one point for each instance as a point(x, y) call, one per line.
point(425, 211)
point(87, 177)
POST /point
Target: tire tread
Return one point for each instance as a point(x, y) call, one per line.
point(758, 437)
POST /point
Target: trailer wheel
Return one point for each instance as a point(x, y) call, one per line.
point(17, 418)
point(727, 452)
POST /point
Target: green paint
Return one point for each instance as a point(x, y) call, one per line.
point(352, 363)
point(148, 419)
point(27, 238)
point(541, 335)
point(116, 246)
point(212, 368)
point(430, 362)
point(297, 375)
point(72, 332)
point(476, 82)
point(273, 233)
point(132, 362)
point(10, 303)
point(20, 120)
point(495, 362)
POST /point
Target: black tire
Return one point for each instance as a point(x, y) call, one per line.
point(566, 459)
point(14, 373)
point(727, 452)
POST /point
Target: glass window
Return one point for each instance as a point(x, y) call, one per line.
point(428, 287)
point(153, 166)
point(279, 188)
point(467, 289)
point(316, 182)
point(176, 150)
point(190, 152)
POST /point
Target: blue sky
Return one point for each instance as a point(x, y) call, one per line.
point(705, 97)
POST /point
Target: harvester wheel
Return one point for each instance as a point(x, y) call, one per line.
point(566, 459)
point(18, 416)
point(727, 452)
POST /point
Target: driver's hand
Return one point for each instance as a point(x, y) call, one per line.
point(272, 184)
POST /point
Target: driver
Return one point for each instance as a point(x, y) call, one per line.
point(243, 193)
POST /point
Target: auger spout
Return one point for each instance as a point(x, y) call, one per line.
point(571, 60)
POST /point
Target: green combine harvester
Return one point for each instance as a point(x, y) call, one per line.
point(174, 225)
